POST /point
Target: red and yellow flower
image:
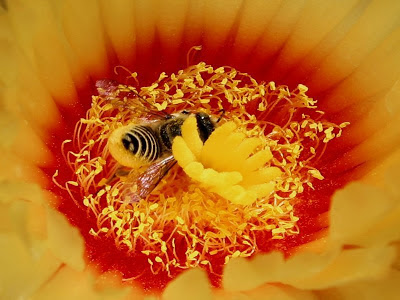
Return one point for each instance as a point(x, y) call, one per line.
point(335, 239)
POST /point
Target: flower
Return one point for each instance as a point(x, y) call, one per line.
point(236, 185)
point(346, 54)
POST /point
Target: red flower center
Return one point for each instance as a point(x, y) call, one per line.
point(140, 239)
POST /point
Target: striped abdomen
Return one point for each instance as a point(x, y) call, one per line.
point(142, 142)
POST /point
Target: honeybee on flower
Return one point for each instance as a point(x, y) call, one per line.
point(187, 148)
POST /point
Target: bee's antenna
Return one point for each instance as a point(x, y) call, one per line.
point(141, 97)
point(162, 114)
point(222, 111)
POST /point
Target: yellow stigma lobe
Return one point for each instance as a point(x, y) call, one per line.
point(228, 164)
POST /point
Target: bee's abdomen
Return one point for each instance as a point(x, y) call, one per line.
point(142, 142)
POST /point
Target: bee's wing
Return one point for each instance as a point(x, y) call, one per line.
point(109, 89)
point(149, 179)
point(106, 87)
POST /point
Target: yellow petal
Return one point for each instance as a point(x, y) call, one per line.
point(280, 292)
point(269, 292)
point(387, 288)
point(241, 274)
point(28, 221)
point(364, 215)
point(120, 24)
point(192, 284)
point(64, 240)
point(350, 266)
point(14, 190)
point(309, 270)
point(23, 270)
point(68, 284)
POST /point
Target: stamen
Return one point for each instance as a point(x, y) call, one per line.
point(276, 137)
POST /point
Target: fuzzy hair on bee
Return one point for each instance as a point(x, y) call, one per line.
point(145, 144)
point(147, 147)
point(141, 143)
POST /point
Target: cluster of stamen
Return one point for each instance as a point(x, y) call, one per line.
point(181, 224)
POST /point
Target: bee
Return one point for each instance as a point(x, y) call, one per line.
point(146, 145)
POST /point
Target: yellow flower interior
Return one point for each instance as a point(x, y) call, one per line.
point(339, 48)
point(206, 215)
point(227, 164)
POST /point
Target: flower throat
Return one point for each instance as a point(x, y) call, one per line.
point(183, 223)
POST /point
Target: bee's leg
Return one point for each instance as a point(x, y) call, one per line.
point(122, 172)
point(222, 114)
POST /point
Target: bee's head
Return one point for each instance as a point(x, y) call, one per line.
point(205, 125)
point(181, 115)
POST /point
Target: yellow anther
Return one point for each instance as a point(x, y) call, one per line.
point(180, 220)
point(243, 180)
point(153, 206)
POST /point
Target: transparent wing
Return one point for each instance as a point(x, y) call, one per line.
point(148, 180)
point(127, 97)
point(106, 87)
